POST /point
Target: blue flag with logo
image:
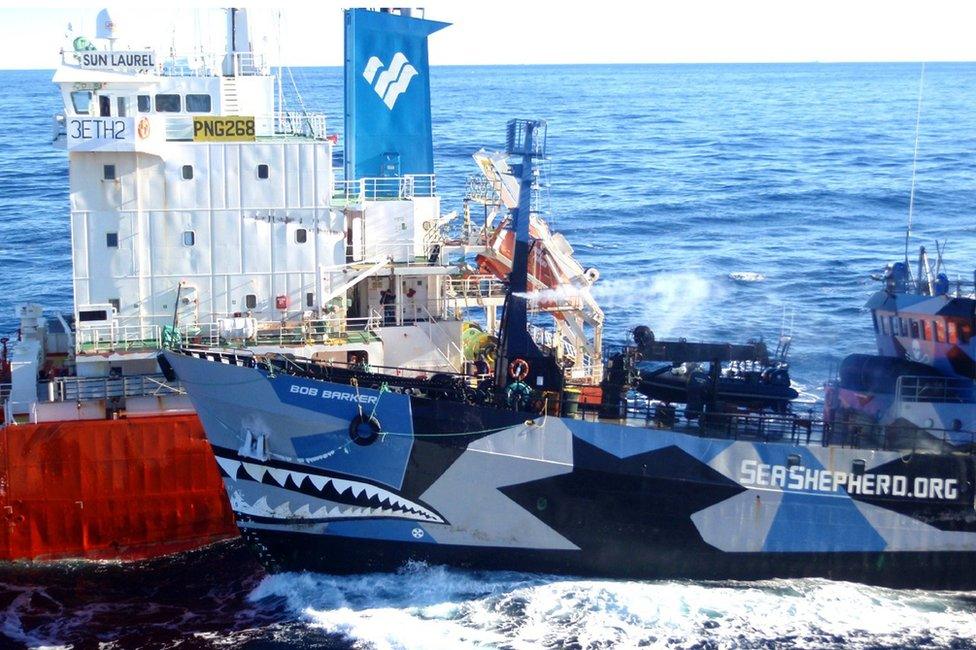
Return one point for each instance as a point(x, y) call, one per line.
point(387, 94)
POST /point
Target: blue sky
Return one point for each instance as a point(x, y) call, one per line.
point(509, 32)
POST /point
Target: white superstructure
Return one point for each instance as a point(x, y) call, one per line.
point(202, 214)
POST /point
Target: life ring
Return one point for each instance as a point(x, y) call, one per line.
point(143, 128)
point(518, 369)
point(364, 430)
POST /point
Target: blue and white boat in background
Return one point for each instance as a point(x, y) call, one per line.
point(348, 468)
point(918, 390)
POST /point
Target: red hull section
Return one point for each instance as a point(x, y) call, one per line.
point(124, 489)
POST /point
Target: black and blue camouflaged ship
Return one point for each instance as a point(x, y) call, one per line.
point(347, 468)
point(543, 453)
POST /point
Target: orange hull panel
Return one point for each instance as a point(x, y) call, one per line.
point(124, 489)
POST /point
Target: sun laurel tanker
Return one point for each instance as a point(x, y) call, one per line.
point(348, 469)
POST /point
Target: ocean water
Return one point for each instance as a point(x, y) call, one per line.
point(793, 178)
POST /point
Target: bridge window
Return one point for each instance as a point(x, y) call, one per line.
point(309, 299)
point(940, 335)
point(143, 104)
point(927, 330)
point(198, 103)
point(301, 236)
point(793, 460)
point(168, 103)
point(115, 304)
point(250, 301)
point(263, 172)
point(858, 467)
point(189, 238)
point(874, 319)
point(92, 315)
point(953, 336)
point(104, 106)
point(914, 326)
point(903, 326)
point(122, 106)
point(187, 172)
point(108, 172)
point(81, 101)
point(112, 239)
point(884, 324)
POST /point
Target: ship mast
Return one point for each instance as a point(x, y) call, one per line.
point(525, 138)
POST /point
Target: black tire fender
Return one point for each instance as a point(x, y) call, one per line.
point(364, 430)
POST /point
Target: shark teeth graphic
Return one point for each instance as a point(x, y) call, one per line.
point(367, 500)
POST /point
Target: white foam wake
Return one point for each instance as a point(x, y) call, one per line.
point(433, 607)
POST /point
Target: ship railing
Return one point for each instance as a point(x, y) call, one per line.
point(940, 390)
point(397, 251)
point(586, 372)
point(129, 338)
point(798, 428)
point(585, 368)
point(94, 388)
point(301, 123)
point(240, 64)
point(247, 63)
point(301, 368)
point(901, 436)
point(114, 337)
point(443, 342)
point(476, 287)
point(547, 338)
point(384, 188)
point(325, 330)
point(956, 287)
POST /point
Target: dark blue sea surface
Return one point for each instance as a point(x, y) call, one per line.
point(668, 178)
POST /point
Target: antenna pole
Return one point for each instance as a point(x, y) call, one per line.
point(281, 97)
point(911, 196)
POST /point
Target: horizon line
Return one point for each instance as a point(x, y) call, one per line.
point(613, 63)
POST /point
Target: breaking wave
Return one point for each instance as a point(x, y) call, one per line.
point(433, 607)
point(746, 276)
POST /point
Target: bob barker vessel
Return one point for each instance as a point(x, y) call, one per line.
point(343, 469)
point(205, 213)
